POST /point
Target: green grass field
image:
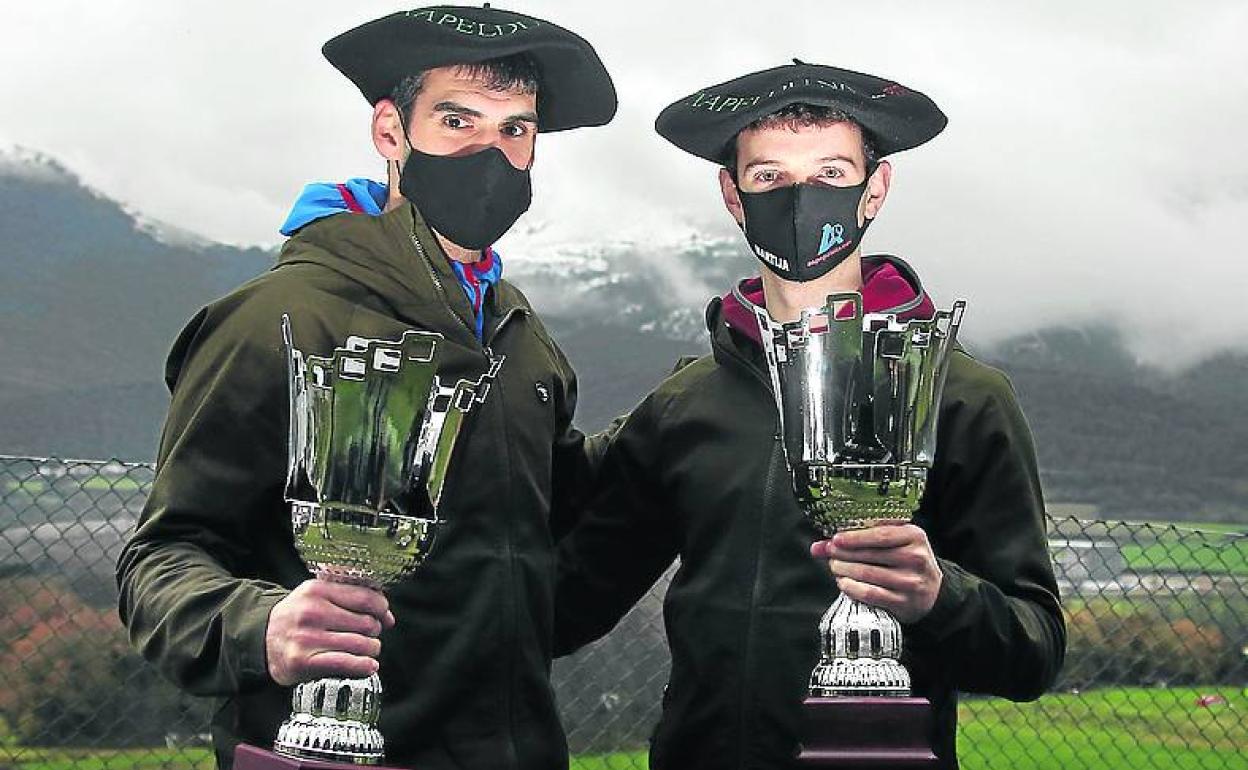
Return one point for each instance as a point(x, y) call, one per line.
point(35, 487)
point(107, 759)
point(118, 484)
point(29, 486)
point(1227, 557)
point(1127, 729)
point(636, 760)
point(1215, 526)
point(1117, 728)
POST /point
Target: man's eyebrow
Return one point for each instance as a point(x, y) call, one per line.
point(456, 107)
point(754, 163)
point(834, 158)
point(459, 109)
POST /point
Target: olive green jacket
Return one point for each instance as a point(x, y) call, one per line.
point(465, 670)
point(697, 471)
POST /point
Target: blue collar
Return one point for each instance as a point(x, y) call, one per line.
point(364, 196)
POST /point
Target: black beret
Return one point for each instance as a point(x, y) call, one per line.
point(574, 87)
point(894, 117)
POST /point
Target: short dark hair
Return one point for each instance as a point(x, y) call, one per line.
point(517, 72)
point(801, 115)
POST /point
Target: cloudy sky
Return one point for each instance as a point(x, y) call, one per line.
point(1094, 167)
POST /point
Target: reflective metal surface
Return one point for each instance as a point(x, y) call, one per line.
point(858, 397)
point(373, 431)
point(335, 720)
point(859, 654)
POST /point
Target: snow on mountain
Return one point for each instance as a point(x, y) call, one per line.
point(17, 162)
point(657, 287)
point(170, 235)
point(22, 163)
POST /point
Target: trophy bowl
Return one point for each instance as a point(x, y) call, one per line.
point(363, 547)
point(372, 434)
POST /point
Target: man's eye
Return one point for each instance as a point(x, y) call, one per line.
point(831, 172)
point(766, 175)
point(515, 130)
point(455, 121)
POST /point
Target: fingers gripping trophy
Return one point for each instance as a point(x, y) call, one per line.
point(858, 396)
point(372, 433)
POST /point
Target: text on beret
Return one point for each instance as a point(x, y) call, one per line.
point(468, 26)
point(713, 102)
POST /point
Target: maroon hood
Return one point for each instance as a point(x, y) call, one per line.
point(889, 285)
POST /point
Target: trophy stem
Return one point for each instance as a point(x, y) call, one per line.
point(334, 720)
point(859, 652)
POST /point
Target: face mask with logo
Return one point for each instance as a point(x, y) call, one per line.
point(802, 231)
point(470, 199)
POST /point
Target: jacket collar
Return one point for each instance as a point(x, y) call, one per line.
point(889, 285)
point(395, 256)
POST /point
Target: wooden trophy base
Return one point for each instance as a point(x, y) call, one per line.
point(866, 733)
point(248, 757)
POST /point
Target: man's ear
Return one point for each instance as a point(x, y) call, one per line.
point(732, 196)
point(387, 131)
point(877, 189)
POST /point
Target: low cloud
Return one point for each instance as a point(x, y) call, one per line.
point(1093, 169)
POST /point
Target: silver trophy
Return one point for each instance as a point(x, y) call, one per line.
point(858, 395)
point(372, 432)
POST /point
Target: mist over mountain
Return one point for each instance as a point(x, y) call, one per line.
point(92, 295)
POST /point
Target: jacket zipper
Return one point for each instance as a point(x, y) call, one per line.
point(437, 284)
point(748, 667)
point(768, 489)
point(745, 364)
point(509, 536)
point(509, 599)
point(446, 304)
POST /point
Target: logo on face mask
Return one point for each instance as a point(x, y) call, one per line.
point(802, 231)
point(832, 236)
point(779, 263)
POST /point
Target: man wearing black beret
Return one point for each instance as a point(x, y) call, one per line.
point(211, 587)
point(697, 471)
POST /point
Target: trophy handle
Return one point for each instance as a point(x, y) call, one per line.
point(299, 484)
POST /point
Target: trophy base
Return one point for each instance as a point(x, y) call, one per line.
point(851, 733)
point(248, 757)
point(328, 739)
point(334, 720)
point(859, 677)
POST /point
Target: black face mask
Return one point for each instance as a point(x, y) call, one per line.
point(802, 231)
point(470, 199)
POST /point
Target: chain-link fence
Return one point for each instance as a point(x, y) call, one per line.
point(1155, 677)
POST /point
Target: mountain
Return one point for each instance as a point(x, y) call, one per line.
point(1136, 441)
point(92, 295)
